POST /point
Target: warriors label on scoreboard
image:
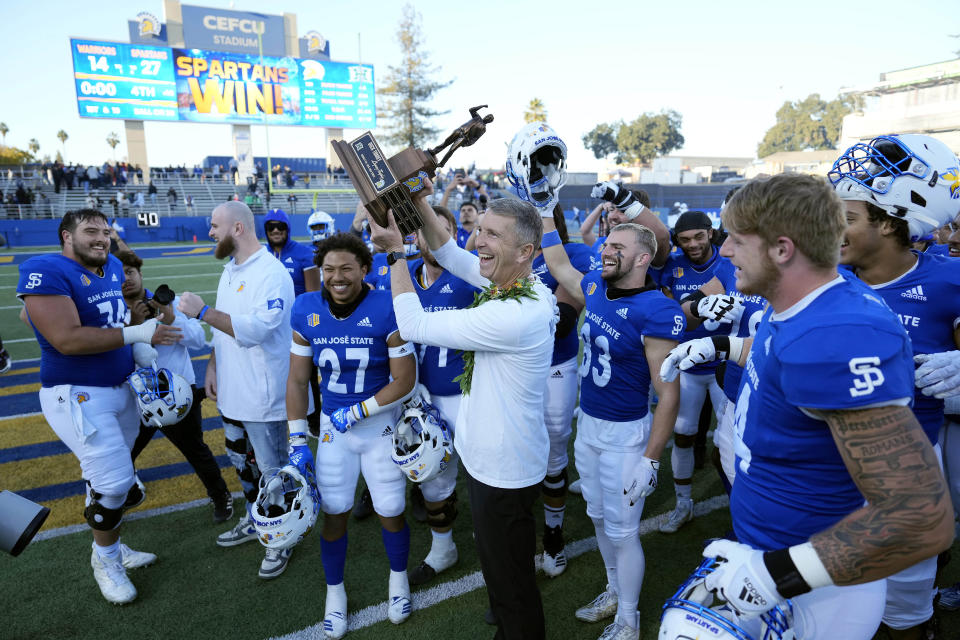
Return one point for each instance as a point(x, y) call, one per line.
point(141, 82)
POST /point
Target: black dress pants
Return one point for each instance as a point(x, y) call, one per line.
point(187, 436)
point(506, 539)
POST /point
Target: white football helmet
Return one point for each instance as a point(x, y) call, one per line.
point(164, 398)
point(691, 615)
point(286, 508)
point(537, 165)
point(321, 226)
point(910, 176)
point(422, 442)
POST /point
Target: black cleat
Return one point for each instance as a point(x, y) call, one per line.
point(222, 508)
point(421, 574)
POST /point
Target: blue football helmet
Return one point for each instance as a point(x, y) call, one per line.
point(912, 177)
point(691, 615)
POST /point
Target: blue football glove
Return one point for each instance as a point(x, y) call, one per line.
point(346, 417)
point(301, 457)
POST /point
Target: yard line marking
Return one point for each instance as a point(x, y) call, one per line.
point(435, 595)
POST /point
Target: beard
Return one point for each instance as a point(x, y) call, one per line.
point(225, 248)
point(618, 274)
point(766, 283)
point(87, 258)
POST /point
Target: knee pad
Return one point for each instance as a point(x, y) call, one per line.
point(684, 441)
point(236, 451)
point(445, 515)
point(101, 517)
point(555, 486)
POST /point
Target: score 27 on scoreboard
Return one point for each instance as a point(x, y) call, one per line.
point(142, 82)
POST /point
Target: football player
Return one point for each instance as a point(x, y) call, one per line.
point(628, 330)
point(696, 264)
point(321, 226)
point(438, 290)
point(560, 397)
point(296, 257)
point(616, 200)
point(892, 199)
point(468, 222)
point(350, 333)
point(837, 485)
point(75, 305)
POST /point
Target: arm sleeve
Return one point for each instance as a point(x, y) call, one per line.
point(855, 366)
point(460, 263)
point(193, 335)
point(267, 310)
point(493, 326)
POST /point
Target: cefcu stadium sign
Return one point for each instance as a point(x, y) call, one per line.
point(235, 31)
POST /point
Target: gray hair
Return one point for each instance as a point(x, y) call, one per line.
point(643, 235)
point(238, 211)
point(528, 225)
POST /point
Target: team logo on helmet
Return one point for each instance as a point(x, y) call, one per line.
point(952, 177)
point(147, 24)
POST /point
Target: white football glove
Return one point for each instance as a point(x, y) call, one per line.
point(144, 355)
point(644, 480)
point(621, 198)
point(938, 374)
point(685, 355)
point(741, 578)
point(720, 307)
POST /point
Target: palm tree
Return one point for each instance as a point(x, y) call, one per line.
point(113, 141)
point(34, 146)
point(62, 135)
point(3, 132)
point(535, 112)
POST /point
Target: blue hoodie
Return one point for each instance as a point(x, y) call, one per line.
point(296, 257)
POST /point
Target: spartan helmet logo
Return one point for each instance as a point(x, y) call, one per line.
point(316, 43)
point(149, 25)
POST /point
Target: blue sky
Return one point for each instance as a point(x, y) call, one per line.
point(725, 66)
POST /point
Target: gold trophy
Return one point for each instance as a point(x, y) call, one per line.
point(386, 183)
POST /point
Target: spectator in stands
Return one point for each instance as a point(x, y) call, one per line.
point(197, 172)
point(122, 203)
point(216, 172)
point(188, 203)
point(93, 175)
point(139, 174)
point(152, 190)
point(172, 197)
point(138, 203)
point(234, 170)
point(468, 222)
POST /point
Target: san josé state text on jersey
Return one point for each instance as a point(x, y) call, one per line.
point(350, 353)
point(841, 350)
point(614, 374)
point(927, 300)
point(99, 302)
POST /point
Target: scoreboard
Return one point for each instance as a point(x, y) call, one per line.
point(132, 82)
point(142, 82)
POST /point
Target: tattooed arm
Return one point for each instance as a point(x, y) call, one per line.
point(908, 517)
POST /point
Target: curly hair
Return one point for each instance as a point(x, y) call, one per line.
point(344, 242)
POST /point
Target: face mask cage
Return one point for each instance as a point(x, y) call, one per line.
point(877, 164)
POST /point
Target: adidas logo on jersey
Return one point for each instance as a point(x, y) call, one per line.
point(289, 260)
point(365, 322)
point(387, 432)
point(916, 293)
point(113, 278)
point(446, 289)
point(622, 312)
point(557, 374)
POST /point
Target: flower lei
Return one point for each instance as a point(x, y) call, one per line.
point(522, 288)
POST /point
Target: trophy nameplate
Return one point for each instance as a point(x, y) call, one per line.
point(386, 183)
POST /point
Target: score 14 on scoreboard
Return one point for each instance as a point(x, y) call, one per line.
point(141, 82)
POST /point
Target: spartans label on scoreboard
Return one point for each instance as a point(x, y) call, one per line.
point(139, 82)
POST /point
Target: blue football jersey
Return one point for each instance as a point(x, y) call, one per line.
point(351, 353)
point(614, 375)
point(681, 277)
point(438, 366)
point(840, 349)
point(462, 236)
point(295, 257)
point(580, 257)
point(927, 300)
point(379, 275)
point(938, 250)
point(99, 303)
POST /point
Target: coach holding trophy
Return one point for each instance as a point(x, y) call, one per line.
point(507, 339)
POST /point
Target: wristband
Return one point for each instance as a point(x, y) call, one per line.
point(366, 408)
point(297, 427)
point(796, 570)
point(298, 349)
point(633, 210)
point(550, 239)
point(694, 299)
point(206, 307)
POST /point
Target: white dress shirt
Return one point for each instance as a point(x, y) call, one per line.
point(501, 437)
point(252, 365)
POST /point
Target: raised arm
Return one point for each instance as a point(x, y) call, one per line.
point(559, 263)
point(586, 229)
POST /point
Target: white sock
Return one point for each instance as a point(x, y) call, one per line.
point(443, 552)
point(682, 461)
point(336, 598)
point(630, 568)
point(399, 585)
point(110, 552)
point(683, 491)
point(609, 554)
point(553, 516)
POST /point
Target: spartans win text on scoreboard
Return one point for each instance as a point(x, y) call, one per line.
point(142, 82)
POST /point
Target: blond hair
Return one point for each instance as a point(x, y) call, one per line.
point(803, 208)
point(644, 236)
